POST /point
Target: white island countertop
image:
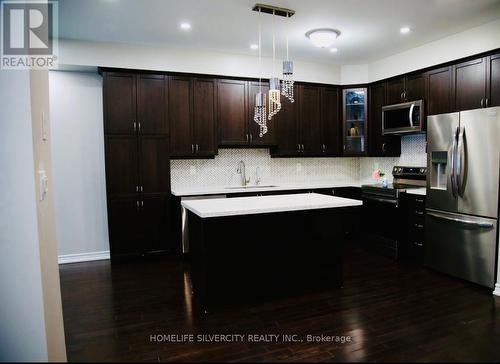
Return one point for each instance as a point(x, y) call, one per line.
point(266, 204)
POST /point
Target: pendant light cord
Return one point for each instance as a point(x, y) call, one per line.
point(260, 51)
point(274, 47)
point(288, 26)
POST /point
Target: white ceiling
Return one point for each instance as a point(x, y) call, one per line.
point(370, 28)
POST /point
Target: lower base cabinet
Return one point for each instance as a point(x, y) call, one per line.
point(139, 226)
point(413, 207)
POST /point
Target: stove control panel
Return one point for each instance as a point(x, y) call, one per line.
point(410, 172)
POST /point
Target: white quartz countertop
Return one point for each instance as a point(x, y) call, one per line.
point(417, 191)
point(290, 187)
point(219, 207)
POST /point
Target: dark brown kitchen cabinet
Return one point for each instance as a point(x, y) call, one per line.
point(137, 162)
point(180, 112)
point(121, 155)
point(232, 112)
point(378, 144)
point(192, 113)
point(470, 84)
point(288, 130)
point(493, 81)
point(125, 227)
point(154, 165)
point(439, 98)
point(204, 116)
point(405, 89)
point(330, 121)
point(354, 124)
point(151, 104)
point(310, 119)
point(120, 103)
point(155, 224)
point(269, 138)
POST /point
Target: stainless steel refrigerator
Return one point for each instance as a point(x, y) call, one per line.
point(463, 161)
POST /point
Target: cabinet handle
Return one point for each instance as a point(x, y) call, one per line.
point(246, 137)
point(383, 148)
point(197, 148)
point(298, 147)
point(142, 188)
point(142, 204)
point(487, 102)
point(192, 148)
point(302, 148)
point(345, 147)
point(139, 126)
point(418, 243)
point(419, 200)
point(251, 138)
point(482, 102)
point(136, 188)
point(135, 126)
point(420, 226)
point(419, 212)
point(323, 147)
point(137, 203)
point(402, 95)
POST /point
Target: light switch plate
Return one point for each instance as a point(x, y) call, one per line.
point(44, 126)
point(43, 182)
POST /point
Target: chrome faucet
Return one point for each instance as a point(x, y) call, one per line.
point(242, 171)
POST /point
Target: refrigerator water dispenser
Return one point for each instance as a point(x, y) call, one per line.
point(438, 175)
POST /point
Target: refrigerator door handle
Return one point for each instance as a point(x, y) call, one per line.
point(411, 114)
point(479, 224)
point(461, 162)
point(453, 176)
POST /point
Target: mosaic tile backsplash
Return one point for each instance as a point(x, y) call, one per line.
point(221, 171)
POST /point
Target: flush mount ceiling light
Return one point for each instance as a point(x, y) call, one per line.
point(404, 30)
point(185, 26)
point(254, 46)
point(323, 37)
point(333, 50)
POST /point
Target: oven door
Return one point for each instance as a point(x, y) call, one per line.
point(381, 217)
point(403, 118)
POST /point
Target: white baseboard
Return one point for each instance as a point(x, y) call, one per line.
point(496, 292)
point(83, 257)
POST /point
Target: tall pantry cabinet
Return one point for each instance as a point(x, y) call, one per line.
point(137, 163)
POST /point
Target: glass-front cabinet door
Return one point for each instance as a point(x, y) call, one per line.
point(355, 121)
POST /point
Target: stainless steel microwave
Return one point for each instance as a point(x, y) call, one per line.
point(403, 118)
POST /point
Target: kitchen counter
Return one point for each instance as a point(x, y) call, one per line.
point(230, 190)
point(417, 191)
point(266, 204)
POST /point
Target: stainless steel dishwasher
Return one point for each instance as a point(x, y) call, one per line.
point(184, 218)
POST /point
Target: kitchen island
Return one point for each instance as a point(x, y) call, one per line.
point(251, 248)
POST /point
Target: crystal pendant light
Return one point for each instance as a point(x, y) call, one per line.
point(287, 86)
point(274, 84)
point(260, 112)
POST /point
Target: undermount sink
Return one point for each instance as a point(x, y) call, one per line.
point(249, 187)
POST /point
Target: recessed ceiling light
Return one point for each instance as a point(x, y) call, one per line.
point(323, 37)
point(254, 46)
point(404, 30)
point(185, 26)
point(333, 50)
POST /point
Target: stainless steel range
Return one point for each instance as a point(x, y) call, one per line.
point(381, 209)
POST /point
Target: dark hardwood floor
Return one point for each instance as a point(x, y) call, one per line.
point(392, 311)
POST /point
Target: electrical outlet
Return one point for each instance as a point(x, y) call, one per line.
point(192, 170)
point(299, 167)
point(43, 182)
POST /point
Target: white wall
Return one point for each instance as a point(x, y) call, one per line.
point(473, 41)
point(353, 74)
point(82, 53)
point(78, 162)
point(22, 328)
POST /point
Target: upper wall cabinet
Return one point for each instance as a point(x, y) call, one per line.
point(192, 114)
point(310, 119)
point(493, 98)
point(120, 103)
point(355, 109)
point(378, 144)
point(439, 99)
point(287, 128)
point(330, 121)
point(232, 114)
point(470, 84)
point(403, 89)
